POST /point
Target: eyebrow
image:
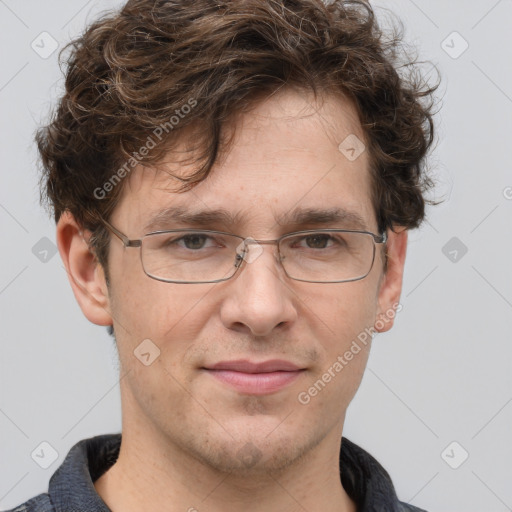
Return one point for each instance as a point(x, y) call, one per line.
point(296, 217)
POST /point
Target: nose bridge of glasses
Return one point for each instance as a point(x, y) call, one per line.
point(248, 254)
point(252, 241)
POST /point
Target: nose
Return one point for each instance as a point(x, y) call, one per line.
point(258, 299)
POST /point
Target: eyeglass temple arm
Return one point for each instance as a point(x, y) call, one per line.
point(382, 239)
point(126, 241)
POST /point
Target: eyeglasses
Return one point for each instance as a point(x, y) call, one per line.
point(191, 256)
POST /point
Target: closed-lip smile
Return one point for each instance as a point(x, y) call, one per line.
point(256, 378)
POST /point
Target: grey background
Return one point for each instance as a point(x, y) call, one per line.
point(442, 374)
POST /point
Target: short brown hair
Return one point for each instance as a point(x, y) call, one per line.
point(132, 71)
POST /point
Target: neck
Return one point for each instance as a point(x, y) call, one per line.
point(143, 478)
point(152, 473)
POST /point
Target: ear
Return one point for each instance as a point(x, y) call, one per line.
point(390, 287)
point(85, 274)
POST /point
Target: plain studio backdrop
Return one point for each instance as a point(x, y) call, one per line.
point(435, 404)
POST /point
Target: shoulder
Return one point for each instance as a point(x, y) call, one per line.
point(367, 482)
point(39, 503)
point(405, 507)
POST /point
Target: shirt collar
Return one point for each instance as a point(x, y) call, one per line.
point(72, 485)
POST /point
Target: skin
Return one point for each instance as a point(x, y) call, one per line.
point(182, 429)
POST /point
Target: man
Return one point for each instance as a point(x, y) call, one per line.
point(233, 182)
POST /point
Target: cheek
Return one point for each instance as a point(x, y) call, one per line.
point(343, 311)
point(171, 316)
point(154, 331)
point(343, 315)
point(327, 395)
point(145, 306)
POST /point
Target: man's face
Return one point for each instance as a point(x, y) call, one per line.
point(285, 156)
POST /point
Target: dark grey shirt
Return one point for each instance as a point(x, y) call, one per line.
point(71, 487)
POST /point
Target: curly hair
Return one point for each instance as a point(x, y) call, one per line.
point(137, 78)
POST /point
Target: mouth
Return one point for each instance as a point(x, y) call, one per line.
point(253, 378)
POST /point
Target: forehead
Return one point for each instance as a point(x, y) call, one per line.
point(288, 155)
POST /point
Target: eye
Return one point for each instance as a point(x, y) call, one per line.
point(317, 240)
point(189, 241)
point(194, 241)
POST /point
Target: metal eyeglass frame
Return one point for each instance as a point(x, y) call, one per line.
point(127, 242)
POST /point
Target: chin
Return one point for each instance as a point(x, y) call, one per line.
point(256, 450)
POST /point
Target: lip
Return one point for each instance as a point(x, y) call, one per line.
point(246, 366)
point(256, 378)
